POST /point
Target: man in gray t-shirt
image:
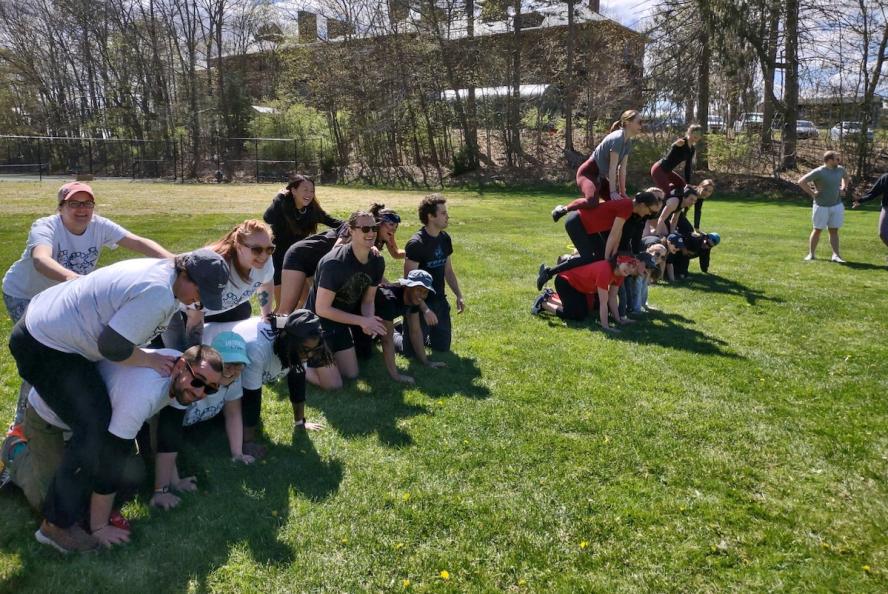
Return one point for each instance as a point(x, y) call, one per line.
point(829, 180)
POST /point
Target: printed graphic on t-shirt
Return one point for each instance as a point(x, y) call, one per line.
point(79, 262)
point(352, 290)
point(231, 299)
point(438, 258)
point(199, 414)
point(270, 378)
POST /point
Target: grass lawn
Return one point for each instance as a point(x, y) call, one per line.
point(736, 440)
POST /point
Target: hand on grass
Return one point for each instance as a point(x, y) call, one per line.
point(164, 501)
point(109, 536)
point(430, 318)
point(243, 458)
point(435, 364)
point(186, 485)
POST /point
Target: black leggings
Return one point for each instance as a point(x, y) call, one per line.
point(72, 387)
point(590, 246)
point(574, 305)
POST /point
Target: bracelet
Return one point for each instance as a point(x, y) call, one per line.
point(163, 490)
point(301, 422)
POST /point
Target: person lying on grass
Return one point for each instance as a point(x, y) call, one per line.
point(599, 280)
point(279, 346)
point(404, 299)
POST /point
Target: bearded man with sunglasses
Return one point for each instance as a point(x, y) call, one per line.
point(107, 314)
point(136, 395)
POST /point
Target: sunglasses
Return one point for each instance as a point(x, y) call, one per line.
point(197, 382)
point(75, 204)
point(367, 228)
point(390, 217)
point(258, 250)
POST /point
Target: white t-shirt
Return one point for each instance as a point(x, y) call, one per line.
point(137, 394)
point(133, 297)
point(264, 367)
point(210, 406)
point(78, 253)
point(237, 291)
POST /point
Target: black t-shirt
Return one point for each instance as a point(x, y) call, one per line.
point(390, 302)
point(304, 255)
point(633, 229)
point(341, 272)
point(649, 240)
point(431, 253)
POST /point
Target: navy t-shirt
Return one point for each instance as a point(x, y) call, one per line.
point(390, 302)
point(431, 253)
point(341, 272)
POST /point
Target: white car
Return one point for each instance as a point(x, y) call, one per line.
point(716, 123)
point(806, 129)
point(848, 131)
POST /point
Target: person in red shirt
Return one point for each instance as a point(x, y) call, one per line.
point(601, 279)
point(596, 233)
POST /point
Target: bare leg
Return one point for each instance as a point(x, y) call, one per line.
point(834, 241)
point(326, 378)
point(347, 363)
point(813, 240)
point(289, 292)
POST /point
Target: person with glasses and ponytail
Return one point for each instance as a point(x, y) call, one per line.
point(61, 247)
point(603, 176)
point(344, 294)
point(388, 220)
point(277, 347)
point(678, 201)
point(294, 214)
point(681, 151)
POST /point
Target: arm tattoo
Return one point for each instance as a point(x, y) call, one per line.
point(263, 298)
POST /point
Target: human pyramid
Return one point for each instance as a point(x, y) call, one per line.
point(623, 244)
point(140, 350)
point(143, 349)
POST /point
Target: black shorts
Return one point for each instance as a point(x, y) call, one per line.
point(337, 337)
point(303, 256)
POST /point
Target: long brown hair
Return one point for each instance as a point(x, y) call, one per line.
point(227, 246)
point(306, 223)
point(626, 116)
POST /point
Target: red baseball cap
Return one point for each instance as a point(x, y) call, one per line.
point(71, 188)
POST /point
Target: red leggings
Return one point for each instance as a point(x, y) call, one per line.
point(592, 185)
point(666, 180)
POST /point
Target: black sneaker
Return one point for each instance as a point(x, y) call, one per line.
point(542, 277)
point(558, 212)
point(537, 306)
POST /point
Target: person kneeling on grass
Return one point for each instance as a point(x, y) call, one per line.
point(233, 350)
point(404, 299)
point(136, 394)
point(600, 279)
point(278, 346)
point(699, 245)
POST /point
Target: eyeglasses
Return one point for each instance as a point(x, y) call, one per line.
point(259, 249)
point(75, 204)
point(197, 382)
point(367, 228)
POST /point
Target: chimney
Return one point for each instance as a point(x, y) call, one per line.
point(308, 26)
point(595, 5)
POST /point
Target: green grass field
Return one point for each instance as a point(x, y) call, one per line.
point(736, 440)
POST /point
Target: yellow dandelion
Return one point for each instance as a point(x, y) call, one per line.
point(405, 583)
point(445, 575)
point(405, 496)
point(584, 544)
point(867, 569)
point(522, 582)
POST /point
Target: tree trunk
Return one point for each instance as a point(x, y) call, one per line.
point(791, 84)
point(871, 83)
point(568, 103)
point(703, 86)
point(515, 107)
point(768, 73)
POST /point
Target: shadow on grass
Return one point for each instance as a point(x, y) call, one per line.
point(713, 283)
point(375, 404)
point(236, 517)
point(865, 266)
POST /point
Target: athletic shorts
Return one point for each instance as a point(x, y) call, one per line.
point(337, 337)
point(828, 216)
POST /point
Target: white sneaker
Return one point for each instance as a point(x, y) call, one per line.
point(809, 257)
point(837, 259)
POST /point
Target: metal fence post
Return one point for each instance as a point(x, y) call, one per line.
point(256, 145)
point(295, 155)
point(89, 145)
point(39, 159)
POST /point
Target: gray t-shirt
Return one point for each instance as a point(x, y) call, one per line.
point(134, 297)
point(615, 141)
point(136, 394)
point(828, 182)
point(264, 366)
point(237, 291)
point(211, 405)
point(78, 253)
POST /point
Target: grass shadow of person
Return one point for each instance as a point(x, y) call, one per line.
point(865, 266)
point(713, 283)
point(674, 331)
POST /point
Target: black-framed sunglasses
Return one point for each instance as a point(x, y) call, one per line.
point(367, 228)
point(197, 382)
point(259, 249)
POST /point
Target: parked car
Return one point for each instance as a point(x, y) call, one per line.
point(749, 123)
point(716, 123)
point(806, 129)
point(848, 131)
point(663, 124)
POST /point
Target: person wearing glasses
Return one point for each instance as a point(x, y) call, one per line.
point(430, 249)
point(279, 346)
point(294, 214)
point(344, 293)
point(388, 220)
point(106, 314)
point(63, 246)
point(136, 395)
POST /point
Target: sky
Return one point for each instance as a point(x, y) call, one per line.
point(627, 12)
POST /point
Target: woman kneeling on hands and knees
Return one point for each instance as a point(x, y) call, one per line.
point(279, 346)
point(600, 279)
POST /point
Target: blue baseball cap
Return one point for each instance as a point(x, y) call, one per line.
point(232, 347)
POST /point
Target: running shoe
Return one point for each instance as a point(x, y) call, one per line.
point(809, 257)
point(558, 212)
point(537, 306)
point(837, 259)
point(66, 540)
point(542, 277)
